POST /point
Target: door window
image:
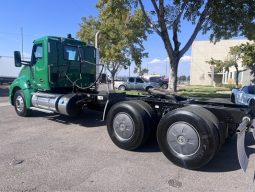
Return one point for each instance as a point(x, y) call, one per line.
point(37, 53)
point(139, 80)
point(131, 80)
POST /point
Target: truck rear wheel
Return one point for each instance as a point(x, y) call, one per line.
point(128, 125)
point(188, 137)
point(153, 118)
point(20, 104)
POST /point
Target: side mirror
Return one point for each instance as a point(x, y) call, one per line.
point(17, 59)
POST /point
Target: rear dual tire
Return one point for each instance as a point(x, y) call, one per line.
point(188, 137)
point(130, 124)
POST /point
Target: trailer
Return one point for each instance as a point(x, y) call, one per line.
point(61, 78)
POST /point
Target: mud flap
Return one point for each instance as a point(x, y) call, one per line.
point(242, 156)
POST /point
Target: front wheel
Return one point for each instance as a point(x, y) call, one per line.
point(122, 88)
point(164, 86)
point(20, 104)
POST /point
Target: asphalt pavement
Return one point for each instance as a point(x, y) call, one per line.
point(57, 153)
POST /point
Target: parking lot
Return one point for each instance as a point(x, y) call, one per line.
point(57, 153)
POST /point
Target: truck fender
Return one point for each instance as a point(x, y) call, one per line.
point(24, 85)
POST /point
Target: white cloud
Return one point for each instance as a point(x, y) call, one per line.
point(184, 59)
point(155, 61)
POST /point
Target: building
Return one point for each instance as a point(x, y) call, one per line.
point(201, 72)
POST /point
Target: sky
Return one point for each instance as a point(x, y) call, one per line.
point(58, 18)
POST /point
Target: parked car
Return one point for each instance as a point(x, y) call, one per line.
point(163, 83)
point(244, 95)
point(137, 83)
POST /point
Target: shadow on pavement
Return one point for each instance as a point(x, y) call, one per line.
point(88, 118)
point(226, 159)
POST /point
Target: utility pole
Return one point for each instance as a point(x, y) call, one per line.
point(22, 43)
point(129, 71)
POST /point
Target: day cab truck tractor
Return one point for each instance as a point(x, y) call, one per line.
point(61, 78)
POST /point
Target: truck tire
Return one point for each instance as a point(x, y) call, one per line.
point(232, 98)
point(20, 104)
point(122, 88)
point(153, 118)
point(187, 137)
point(128, 125)
point(211, 118)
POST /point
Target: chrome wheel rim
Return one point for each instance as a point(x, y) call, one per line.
point(183, 139)
point(123, 126)
point(19, 104)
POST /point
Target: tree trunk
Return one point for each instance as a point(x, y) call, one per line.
point(172, 84)
point(113, 81)
point(237, 75)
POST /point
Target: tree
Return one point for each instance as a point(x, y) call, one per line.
point(223, 18)
point(248, 57)
point(122, 32)
point(233, 59)
point(182, 78)
point(140, 71)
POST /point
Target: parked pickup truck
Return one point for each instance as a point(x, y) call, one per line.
point(137, 83)
point(244, 95)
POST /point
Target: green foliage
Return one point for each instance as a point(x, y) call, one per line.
point(122, 33)
point(248, 57)
point(204, 91)
point(232, 86)
point(221, 18)
point(140, 71)
point(218, 65)
point(235, 56)
point(230, 19)
point(182, 78)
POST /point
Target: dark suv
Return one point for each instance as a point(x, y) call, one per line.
point(163, 83)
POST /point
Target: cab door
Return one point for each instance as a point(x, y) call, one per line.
point(39, 66)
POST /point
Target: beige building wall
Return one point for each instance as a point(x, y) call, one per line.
point(203, 51)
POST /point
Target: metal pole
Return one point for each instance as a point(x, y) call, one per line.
point(22, 43)
point(129, 71)
point(96, 39)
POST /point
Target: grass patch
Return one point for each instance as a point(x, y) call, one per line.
point(204, 91)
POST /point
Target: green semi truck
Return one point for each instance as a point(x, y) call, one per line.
point(62, 78)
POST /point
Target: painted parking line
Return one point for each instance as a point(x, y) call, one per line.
point(4, 104)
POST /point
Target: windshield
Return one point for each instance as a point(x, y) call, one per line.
point(145, 80)
point(251, 89)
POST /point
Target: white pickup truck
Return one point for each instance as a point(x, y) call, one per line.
point(244, 95)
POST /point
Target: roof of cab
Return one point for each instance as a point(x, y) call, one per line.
point(61, 39)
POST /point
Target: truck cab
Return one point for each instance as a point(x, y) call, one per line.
point(58, 66)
